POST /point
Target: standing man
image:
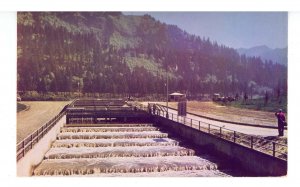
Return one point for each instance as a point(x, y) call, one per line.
point(281, 121)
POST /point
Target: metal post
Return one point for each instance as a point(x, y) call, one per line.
point(234, 136)
point(167, 93)
point(172, 116)
point(273, 149)
point(31, 141)
point(251, 142)
point(78, 88)
point(23, 148)
point(177, 118)
point(209, 128)
point(42, 130)
point(37, 135)
point(199, 126)
point(191, 122)
point(220, 131)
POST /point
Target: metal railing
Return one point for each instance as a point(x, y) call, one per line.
point(260, 144)
point(27, 144)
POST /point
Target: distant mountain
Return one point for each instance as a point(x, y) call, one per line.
point(278, 55)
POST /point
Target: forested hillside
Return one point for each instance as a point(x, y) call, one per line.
point(115, 53)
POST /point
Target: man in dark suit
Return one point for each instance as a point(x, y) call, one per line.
point(281, 121)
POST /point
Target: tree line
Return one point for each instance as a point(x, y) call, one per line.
point(57, 59)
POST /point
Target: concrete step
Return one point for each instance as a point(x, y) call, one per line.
point(122, 165)
point(114, 142)
point(104, 152)
point(108, 129)
point(111, 135)
point(169, 173)
point(111, 125)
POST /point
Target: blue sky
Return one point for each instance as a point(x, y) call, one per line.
point(233, 29)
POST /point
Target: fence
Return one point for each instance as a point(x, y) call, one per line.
point(27, 144)
point(253, 142)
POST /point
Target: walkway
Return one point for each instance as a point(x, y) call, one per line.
point(260, 131)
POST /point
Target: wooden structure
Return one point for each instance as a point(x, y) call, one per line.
point(176, 96)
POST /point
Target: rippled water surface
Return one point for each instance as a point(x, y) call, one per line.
point(122, 150)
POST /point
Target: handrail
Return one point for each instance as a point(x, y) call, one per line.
point(225, 121)
point(27, 143)
point(227, 134)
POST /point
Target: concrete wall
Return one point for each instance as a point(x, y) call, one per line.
point(251, 160)
point(35, 156)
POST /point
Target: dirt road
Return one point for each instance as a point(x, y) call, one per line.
point(265, 132)
point(39, 113)
point(227, 113)
point(213, 110)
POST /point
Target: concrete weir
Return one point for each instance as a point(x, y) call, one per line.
point(257, 163)
point(106, 151)
point(35, 156)
point(135, 143)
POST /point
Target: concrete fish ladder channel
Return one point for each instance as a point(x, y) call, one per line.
point(121, 150)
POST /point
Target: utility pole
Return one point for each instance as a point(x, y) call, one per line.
point(78, 89)
point(167, 115)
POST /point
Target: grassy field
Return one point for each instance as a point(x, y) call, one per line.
point(38, 114)
point(259, 104)
point(20, 107)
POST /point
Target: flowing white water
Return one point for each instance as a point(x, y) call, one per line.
point(170, 173)
point(102, 152)
point(68, 143)
point(108, 129)
point(121, 150)
point(111, 135)
point(111, 125)
point(85, 166)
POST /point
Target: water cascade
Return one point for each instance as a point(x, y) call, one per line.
point(108, 129)
point(114, 142)
point(121, 150)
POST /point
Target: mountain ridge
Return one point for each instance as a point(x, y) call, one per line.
point(114, 53)
point(277, 55)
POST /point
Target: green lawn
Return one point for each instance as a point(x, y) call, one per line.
point(259, 104)
point(20, 107)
